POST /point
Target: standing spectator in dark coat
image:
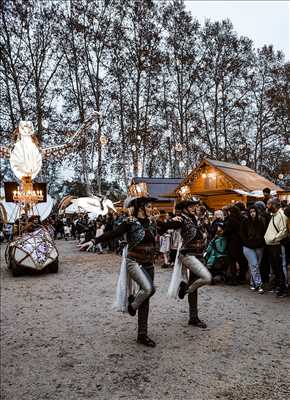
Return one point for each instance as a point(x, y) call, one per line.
point(265, 264)
point(235, 247)
point(59, 228)
point(252, 234)
point(241, 205)
point(109, 228)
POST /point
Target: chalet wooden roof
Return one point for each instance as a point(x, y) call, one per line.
point(159, 187)
point(243, 177)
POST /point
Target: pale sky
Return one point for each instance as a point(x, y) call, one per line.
point(263, 21)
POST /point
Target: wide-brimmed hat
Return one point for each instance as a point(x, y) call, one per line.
point(138, 201)
point(192, 201)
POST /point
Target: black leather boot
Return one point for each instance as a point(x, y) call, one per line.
point(197, 322)
point(182, 289)
point(146, 341)
point(131, 310)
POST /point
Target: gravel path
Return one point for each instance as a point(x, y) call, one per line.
point(61, 340)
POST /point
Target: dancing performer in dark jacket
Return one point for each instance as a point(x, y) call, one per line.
point(191, 252)
point(140, 233)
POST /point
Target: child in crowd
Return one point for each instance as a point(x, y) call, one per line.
point(99, 232)
point(165, 248)
point(216, 255)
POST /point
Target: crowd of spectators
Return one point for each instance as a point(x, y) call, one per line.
point(244, 244)
point(82, 229)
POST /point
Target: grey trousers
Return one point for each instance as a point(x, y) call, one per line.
point(144, 276)
point(197, 268)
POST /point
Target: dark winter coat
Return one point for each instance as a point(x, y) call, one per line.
point(252, 232)
point(232, 226)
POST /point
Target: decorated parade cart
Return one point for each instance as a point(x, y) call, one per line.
point(34, 248)
point(32, 251)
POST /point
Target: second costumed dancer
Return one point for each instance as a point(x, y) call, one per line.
point(140, 236)
point(191, 251)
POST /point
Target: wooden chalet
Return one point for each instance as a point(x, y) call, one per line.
point(219, 183)
point(160, 188)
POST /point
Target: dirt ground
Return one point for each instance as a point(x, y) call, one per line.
point(61, 339)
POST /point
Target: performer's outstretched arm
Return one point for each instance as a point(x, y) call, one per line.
point(123, 228)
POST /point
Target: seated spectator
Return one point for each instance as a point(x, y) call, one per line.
point(33, 224)
point(218, 218)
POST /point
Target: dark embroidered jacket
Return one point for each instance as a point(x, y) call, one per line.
point(193, 240)
point(138, 232)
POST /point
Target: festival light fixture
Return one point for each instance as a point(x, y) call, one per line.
point(184, 192)
point(178, 147)
point(33, 196)
point(45, 124)
point(26, 194)
point(103, 140)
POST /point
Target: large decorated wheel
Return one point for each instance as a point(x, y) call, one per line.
point(34, 251)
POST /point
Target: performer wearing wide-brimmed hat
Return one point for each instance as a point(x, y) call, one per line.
point(140, 236)
point(191, 251)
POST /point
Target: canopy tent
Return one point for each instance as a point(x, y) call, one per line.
point(92, 205)
point(72, 209)
point(254, 193)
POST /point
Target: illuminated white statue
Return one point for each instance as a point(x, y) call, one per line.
point(26, 154)
point(26, 158)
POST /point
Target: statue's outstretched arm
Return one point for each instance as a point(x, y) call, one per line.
point(5, 151)
point(73, 142)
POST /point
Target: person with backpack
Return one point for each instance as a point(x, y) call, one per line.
point(277, 231)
